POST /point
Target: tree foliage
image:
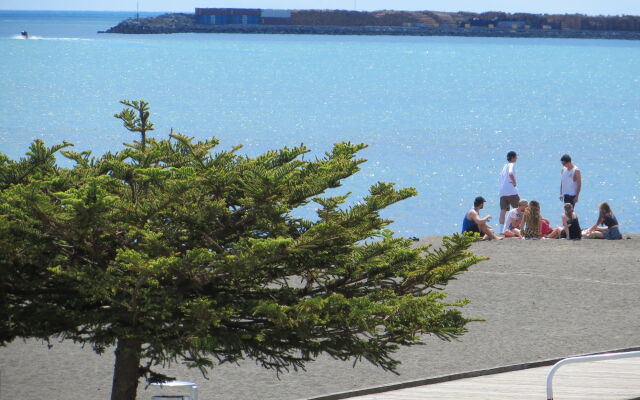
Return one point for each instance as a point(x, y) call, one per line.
point(173, 252)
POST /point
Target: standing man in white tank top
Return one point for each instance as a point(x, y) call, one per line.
point(508, 192)
point(571, 181)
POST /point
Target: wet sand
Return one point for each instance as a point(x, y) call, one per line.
point(540, 299)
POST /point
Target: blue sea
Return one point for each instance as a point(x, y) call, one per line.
point(438, 113)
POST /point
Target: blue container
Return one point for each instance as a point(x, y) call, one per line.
point(275, 13)
point(253, 19)
point(203, 19)
point(220, 20)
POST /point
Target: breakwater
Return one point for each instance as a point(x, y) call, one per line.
point(186, 23)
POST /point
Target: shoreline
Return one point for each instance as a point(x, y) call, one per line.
point(386, 31)
point(434, 239)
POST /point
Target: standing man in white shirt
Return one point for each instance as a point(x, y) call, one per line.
point(571, 181)
point(508, 192)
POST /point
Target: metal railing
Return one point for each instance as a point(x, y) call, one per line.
point(191, 385)
point(572, 360)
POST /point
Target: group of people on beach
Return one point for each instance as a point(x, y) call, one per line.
point(520, 218)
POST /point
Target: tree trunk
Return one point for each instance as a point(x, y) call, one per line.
point(126, 370)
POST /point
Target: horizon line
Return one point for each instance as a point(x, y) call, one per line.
point(335, 9)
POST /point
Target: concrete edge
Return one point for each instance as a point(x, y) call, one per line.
point(453, 377)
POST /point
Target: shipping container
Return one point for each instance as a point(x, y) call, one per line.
point(276, 21)
point(275, 14)
point(246, 11)
point(219, 19)
point(204, 11)
point(228, 11)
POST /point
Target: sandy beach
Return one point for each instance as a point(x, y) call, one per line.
point(541, 299)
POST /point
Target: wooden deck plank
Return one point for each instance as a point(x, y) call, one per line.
point(598, 380)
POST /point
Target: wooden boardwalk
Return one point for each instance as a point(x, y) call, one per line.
point(598, 380)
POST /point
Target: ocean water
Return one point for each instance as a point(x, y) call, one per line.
point(438, 113)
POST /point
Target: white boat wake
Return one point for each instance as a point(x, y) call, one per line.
point(33, 37)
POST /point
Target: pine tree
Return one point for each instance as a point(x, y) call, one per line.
point(170, 251)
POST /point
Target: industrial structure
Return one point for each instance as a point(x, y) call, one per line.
point(242, 16)
point(507, 24)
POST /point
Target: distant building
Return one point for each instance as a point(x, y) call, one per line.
point(275, 17)
point(242, 16)
point(510, 24)
point(494, 23)
point(416, 25)
point(484, 23)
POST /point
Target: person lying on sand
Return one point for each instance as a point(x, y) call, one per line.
point(547, 231)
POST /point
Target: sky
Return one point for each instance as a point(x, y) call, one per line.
point(590, 7)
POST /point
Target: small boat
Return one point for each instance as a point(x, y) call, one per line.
point(25, 34)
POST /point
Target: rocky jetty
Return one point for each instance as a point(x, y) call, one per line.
point(303, 23)
point(166, 23)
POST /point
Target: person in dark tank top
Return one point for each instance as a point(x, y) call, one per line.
point(473, 223)
point(606, 227)
point(570, 224)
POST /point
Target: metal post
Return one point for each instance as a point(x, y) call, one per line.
point(573, 360)
point(194, 392)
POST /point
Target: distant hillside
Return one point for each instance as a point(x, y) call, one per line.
point(434, 18)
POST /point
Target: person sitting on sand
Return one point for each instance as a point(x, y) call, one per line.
point(534, 226)
point(547, 231)
point(531, 221)
point(570, 224)
point(513, 220)
point(610, 230)
point(473, 223)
